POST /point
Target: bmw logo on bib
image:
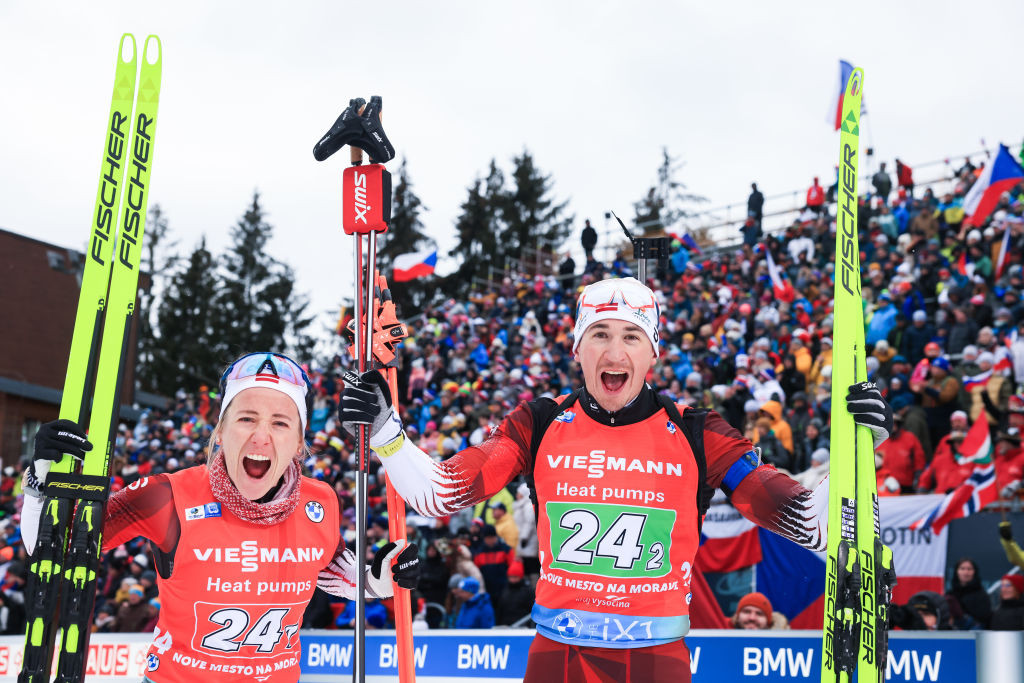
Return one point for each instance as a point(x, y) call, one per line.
point(671, 427)
point(152, 662)
point(568, 625)
point(315, 511)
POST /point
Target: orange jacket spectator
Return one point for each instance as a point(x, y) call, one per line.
point(783, 432)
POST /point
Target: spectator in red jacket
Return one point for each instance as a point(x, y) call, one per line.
point(905, 177)
point(815, 197)
point(945, 473)
point(1009, 460)
point(903, 457)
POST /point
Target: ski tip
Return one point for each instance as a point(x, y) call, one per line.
point(126, 51)
point(856, 83)
point(152, 52)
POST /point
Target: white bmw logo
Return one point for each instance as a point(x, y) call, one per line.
point(568, 625)
point(315, 511)
point(152, 662)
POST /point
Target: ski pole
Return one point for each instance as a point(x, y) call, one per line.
point(366, 200)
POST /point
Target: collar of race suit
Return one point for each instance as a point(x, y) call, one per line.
point(637, 410)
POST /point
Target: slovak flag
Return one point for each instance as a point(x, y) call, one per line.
point(998, 177)
point(835, 112)
point(411, 266)
point(783, 290)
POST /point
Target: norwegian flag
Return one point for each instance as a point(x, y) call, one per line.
point(780, 286)
point(974, 494)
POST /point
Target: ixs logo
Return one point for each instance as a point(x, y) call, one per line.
point(250, 555)
point(598, 462)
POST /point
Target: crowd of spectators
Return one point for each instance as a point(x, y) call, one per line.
point(944, 322)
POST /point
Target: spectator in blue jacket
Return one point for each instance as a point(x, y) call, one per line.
point(476, 610)
point(883, 320)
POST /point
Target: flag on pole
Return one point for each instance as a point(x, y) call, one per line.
point(979, 380)
point(835, 112)
point(417, 264)
point(974, 494)
point(1004, 251)
point(977, 445)
point(691, 243)
point(999, 176)
point(783, 290)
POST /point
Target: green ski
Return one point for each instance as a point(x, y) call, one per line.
point(859, 569)
point(102, 326)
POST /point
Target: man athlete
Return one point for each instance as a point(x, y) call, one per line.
point(620, 477)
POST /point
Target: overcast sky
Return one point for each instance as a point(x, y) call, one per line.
point(738, 90)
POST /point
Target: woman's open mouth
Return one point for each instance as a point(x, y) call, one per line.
point(256, 465)
point(613, 381)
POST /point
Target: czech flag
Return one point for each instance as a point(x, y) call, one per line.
point(411, 266)
point(835, 112)
point(780, 286)
point(998, 177)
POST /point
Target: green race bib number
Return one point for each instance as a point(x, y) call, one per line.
point(617, 541)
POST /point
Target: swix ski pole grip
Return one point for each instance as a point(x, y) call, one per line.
point(366, 199)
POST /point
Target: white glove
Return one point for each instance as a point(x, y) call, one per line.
point(891, 484)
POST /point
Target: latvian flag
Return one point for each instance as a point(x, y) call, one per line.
point(411, 266)
point(974, 494)
point(979, 380)
point(998, 177)
point(783, 290)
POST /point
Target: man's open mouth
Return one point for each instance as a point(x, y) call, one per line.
point(613, 381)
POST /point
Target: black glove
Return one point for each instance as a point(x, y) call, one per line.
point(56, 438)
point(1006, 531)
point(868, 408)
point(405, 571)
point(367, 400)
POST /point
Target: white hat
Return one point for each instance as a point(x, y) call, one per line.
point(624, 299)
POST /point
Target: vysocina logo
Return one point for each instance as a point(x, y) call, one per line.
point(315, 511)
point(202, 512)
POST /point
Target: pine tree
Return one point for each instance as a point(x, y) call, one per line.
point(406, 234)
point(477, 229)
point(257, 308)
point(185, 352)
point(532, 218)
point(158, 261)
point(666, 202)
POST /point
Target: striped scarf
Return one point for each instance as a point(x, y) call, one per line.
point(265, 514)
